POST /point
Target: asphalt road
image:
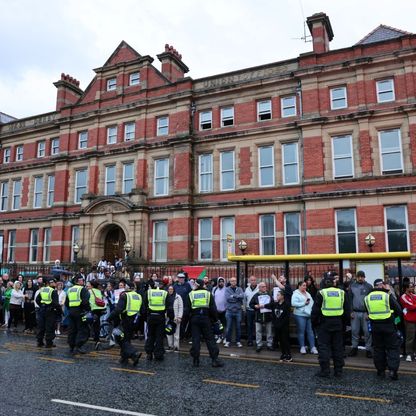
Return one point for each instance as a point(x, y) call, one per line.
point(34, 378)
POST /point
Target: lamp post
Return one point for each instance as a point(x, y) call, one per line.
point(370, 240)
point(242, 245)
point(75, 249)
point(127, 249)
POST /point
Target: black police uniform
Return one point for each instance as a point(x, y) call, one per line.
point(46, 319)
point(129, 325)
point(330, 331)
point(386, 342)
point(201, 320)
point(78, 329)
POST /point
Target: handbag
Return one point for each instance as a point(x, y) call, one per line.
point(98, 302)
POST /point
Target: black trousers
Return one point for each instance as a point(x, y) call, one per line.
point(30, 318)
point(201, 325)
point(15, 315)
point(155, 335)
point(46, 325)
point(127, 350)
point(185, 325)
point(330, 344)
point(283, 338)
point(386, 346)
point(96, 323)
point(78, 330)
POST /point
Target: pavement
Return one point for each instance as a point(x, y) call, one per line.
point(41, 382)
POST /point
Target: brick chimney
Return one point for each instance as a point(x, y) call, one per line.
point(172, 66)
point(68, 91)
point(321, 31)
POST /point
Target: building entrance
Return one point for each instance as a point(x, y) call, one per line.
point(114, 243)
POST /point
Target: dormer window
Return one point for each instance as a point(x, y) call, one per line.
point(111, 84)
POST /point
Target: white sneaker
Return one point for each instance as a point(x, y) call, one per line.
point(409, 358)
point(314, 350)
point(303, 350)
point(219, 340)
point(224, 340)
point(226, 344)
point(58, 332)
point(239, 344)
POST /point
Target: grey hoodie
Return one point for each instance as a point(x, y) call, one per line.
point(357, 293)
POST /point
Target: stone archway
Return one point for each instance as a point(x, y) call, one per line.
point(114, 239)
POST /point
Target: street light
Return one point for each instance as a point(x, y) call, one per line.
point(242, 245)
point(370, 240)
point(75, 249)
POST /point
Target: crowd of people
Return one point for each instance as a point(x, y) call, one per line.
point(175, 308)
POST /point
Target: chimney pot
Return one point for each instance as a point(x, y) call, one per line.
point(321, 31)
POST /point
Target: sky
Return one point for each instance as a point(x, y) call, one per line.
point(40, 39)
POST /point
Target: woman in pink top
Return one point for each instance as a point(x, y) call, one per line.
point(408, 302)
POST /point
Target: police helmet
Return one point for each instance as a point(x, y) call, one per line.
point(170, 328)
point(218, 328)
point(118, 335)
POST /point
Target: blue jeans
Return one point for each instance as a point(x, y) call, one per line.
point(303, 324)
point(233, 317)
point(250, 325)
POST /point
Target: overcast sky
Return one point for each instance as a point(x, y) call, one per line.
point(40, 39)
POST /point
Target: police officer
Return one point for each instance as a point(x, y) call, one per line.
point(155, 303)
point(329, 314)
point(127, 312)
point(382, 309)
point(203, 314)
point(48, 301)
point(77, 302)
point(98, 309)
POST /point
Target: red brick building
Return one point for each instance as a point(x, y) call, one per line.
point(306, 155)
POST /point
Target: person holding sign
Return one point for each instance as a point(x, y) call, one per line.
point(262, 303)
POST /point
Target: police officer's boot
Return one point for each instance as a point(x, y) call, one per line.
point(393, 375)
point(136, 358)
point(196, 362)
point(337, 372)
point(217, 363)
point(324, 371)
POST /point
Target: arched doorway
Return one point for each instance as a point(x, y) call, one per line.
point(114, 243)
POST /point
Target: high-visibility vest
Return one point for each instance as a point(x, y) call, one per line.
point(200, 299)
point(133, 304)
point(333, 301)
point(157, 299)
point(74, 296)
point(96, 293)
point(378, 305)
point(46, 295)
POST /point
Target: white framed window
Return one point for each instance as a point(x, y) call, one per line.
point(11, 247)
point(4, 196)
point(385, 90)
point(19, 153)
point(205, 173)
point(129, 131)
point(292, 233)
point(288, 105)
point(37, 192)
point(80, 185)
point(267, 234)
point(110, 180)
point(47, 235)
point(397, 228)
point(205, 120)
point(391, 151)
point(134, 78)
point(51, 190)
point(227, 177)
point(290, 163)
point(55, 146)
point(111, 134)
point(338, 97)
point(266, 166)
point(17, 190)
point(205, 239)
point(342, 157)
point(34, 245)
point(160, 241)
point(161, 184)
point(227, 229)
point(41, 148)
point(162, 126)
point(346, 229)
point(264, 110)
point(6, 155)
point(83, 139)
point(227, 116)
point(111, 84)
point(75, 238)
point(128, 174)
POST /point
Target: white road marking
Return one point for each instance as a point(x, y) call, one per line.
point(104, 409)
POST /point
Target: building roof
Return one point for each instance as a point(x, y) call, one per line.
point(5, 118)
point(381, 33)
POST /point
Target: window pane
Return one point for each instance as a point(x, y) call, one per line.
point(205, 230)
point(266, 156)
point(396, 218)
point(292, 223)
point(342, 146)
point(346, 220)
point(346, 243)
point(293, 245)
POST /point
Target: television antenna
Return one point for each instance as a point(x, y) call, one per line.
point(306, 38)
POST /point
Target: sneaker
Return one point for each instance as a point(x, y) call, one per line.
point(282, 358)
point(219, 340)
point(226, 344)
point(58, 332)
point(353, 352)
point(224, 340)
point(314, 351)
point(409, 358)
point(258, 349)
point(303, 350)
point(288, 359)
point(97, 345)
point(239, 344)
point(250, 344)
point(176, 349)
